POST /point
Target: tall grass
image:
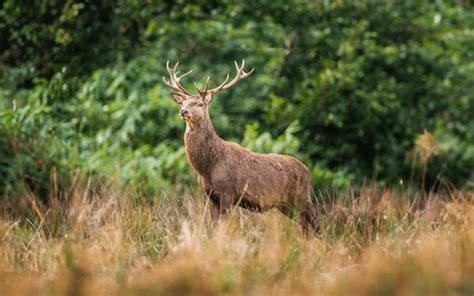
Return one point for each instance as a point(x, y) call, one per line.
point(93, 242)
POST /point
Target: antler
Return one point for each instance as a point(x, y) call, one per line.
point(175, 79)
point(240, 75)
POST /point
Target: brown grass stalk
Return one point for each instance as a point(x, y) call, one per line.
point(372, 242)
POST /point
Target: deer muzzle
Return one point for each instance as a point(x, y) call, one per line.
point(183, 113)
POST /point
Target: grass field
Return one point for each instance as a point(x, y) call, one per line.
point(373, 241)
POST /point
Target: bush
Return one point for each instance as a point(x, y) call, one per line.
point(362, 80)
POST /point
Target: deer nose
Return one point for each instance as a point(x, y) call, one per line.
point(183, 112)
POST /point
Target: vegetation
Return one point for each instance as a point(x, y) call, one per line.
point(346, 86)
point(372, 242)
point(97, 197)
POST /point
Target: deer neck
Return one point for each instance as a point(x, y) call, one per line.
point(202, 146)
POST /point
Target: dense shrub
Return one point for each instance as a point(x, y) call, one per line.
point(346, 86)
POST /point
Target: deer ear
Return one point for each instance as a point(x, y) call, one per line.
point(207, 98)
point(177, 98)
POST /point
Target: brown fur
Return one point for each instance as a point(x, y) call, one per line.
point(232, 175)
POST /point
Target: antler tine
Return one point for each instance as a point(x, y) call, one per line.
point(243, 73)
point(185, 74)
point(174, 79)
point(236, 66)
point(240, 75)
point(171, 70)
point(216, 89)
point(246, 74)
point(206, 87)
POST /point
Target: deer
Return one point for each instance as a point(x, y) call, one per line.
point(231, 175)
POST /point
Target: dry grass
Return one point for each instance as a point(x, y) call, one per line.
point(372, 242)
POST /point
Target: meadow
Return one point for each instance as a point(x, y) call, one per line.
point(96, 193)
point(372, 242)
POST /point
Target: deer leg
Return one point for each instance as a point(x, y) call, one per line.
point(288, 210)
point(307, 217)
point(215, 212)
point(219, 207)
point(305, 213)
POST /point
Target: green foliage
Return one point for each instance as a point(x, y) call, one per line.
point(32, 146)
point(345, 86)
point(264, 143)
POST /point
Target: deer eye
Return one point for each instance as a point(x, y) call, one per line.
point(200, 104)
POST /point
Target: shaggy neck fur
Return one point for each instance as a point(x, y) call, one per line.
point(202, 146)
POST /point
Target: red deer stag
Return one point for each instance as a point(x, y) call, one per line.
point(231, 175)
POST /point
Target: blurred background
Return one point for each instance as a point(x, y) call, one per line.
point(360, 91)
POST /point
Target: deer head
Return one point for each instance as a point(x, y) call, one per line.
point(194, 108)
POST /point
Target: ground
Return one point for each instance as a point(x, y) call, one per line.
point(373, 241)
